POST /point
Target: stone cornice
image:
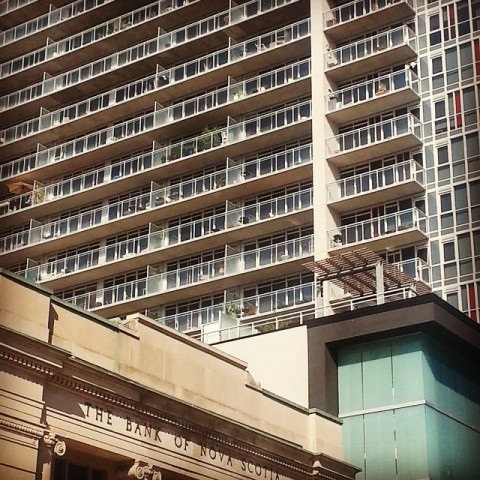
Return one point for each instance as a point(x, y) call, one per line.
point(247, 440)
point(19, 428)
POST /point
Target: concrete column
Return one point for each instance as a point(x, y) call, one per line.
point(49, 446)
point(380, 285)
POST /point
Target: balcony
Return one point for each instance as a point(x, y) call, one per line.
point(384, 93)
point(76, 118)
point(136, 212)
point(239, 312)
point(353, 19)
point(71, 17)
point(129, 254)
point(58, 56)
point(98, 75)
point(376, 187)
point(377, 140)
point(206, 277)
point(69, 193)
point(391, 231)
point(371, 54)
point(113, 141)
point(416, 268)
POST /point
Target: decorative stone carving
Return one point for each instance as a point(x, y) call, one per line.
point(144, 471)
point(54, 444)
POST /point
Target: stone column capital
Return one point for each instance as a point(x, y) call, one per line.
point(54, 444)
point(144, 471)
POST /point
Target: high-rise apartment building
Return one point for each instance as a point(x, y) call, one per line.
point(185, 159)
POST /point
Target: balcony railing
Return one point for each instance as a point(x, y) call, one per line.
point(240, 310)
point(234, 173)
point(377, 134)
point(158, 283)
point(416, 268)
point(150, 47)
point(7, 6)
point(354, 18)
point(378, 88)
point(278, 321)
point(73, 10)
point(201, 185)
point(370, 46)
point(234, 217)
point(376, 228)
point(152, 121)
point(149, 85)
point(382, 178)
point(154, 46)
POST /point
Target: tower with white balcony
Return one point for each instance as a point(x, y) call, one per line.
point(185, 159)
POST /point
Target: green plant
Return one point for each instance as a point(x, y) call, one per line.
point(175, 152)
point(233, 309)
point(210, 137)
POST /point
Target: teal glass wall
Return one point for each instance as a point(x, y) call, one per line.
point(411, 410)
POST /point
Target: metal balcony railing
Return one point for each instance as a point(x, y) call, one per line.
point(62, 14)
point(234, 217)
point(199, 186)
point(7, 6)
point(355, 10)
point(369, 46)
point(158, 283)
point(240, 310)
point(215, 138)
point(159, 44)
point(371, 89)
point(130, 20)
point(375, 180)
point(374, 228)
point(177, 112)
point(234, 173)
point(416, 268)
point(379, 132)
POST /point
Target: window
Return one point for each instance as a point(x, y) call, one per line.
point(65, 470)
point(437, 70)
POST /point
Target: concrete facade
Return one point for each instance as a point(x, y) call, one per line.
point(135, 399)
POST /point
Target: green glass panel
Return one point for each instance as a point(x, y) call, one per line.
point(353, 443)
point(380, 446)
point(411, 440)
point(407, 370)
point(377, 376)
point(350, 380)
point(452, 448)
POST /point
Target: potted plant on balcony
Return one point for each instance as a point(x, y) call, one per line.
point(175, 152)
point(209, 138)
point(233, 310)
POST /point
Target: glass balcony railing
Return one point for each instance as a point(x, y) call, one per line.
point(301, 295)
point(163, 42)
point(415, 268)
point(366, 47)
point(7, 6)
point(177, 112)
point(213, 139)
point(356, 10)
point(381, 226)
point(158, 283)
point(201, 185)
point(234, 217)
point(234, 173)
point(362, 92)
point(375, 180)
point(84, 38)
point(373, 134)
point(73, 10)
